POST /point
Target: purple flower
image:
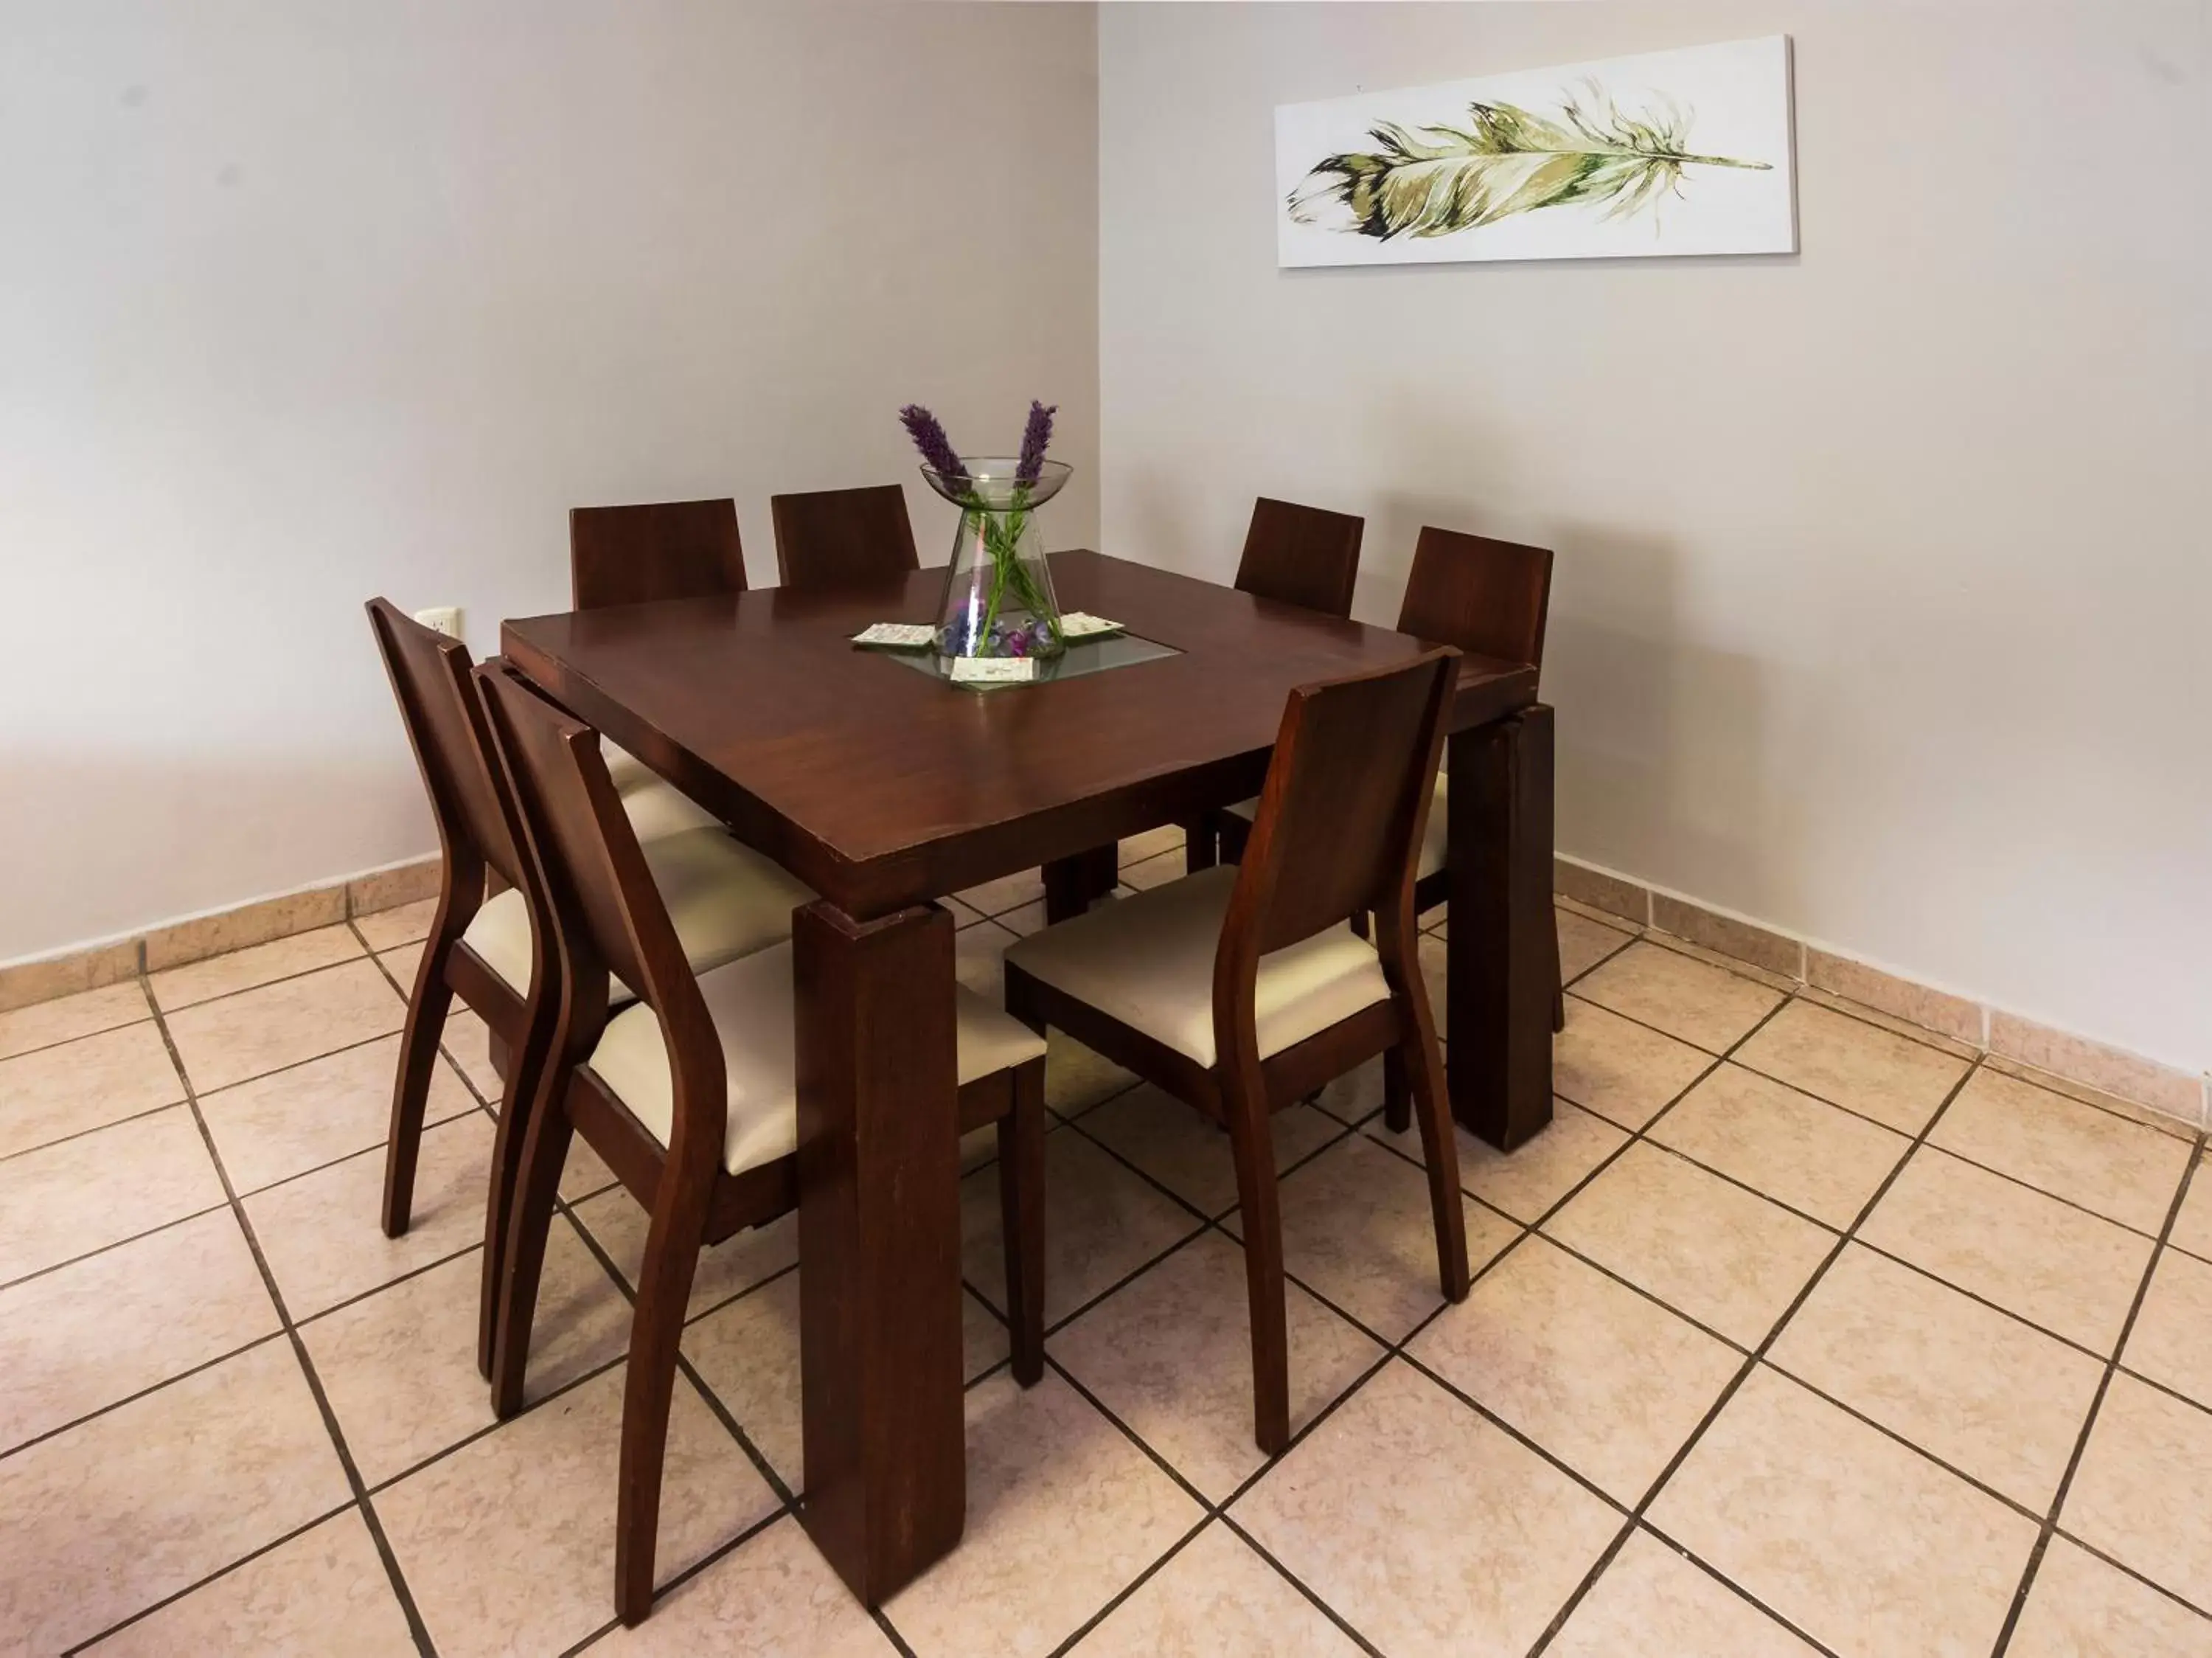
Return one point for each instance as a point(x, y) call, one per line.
point(929, 435)
point(1036, 437)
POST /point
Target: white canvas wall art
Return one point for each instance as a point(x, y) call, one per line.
point(1666, 153)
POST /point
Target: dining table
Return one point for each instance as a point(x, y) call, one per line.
point(886, 787)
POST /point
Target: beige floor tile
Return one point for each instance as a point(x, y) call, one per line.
point(1690, 999)
point(43, 1024)
point(2054, 1265)
point(1155, 871)
point(1434, 954)
point(467, 1041)
point(508, 1544)
point(1652, 1603)
point(1135, 849)
point(2193, 1227)
point(979, 959)
point(1076, 1078)
point(290, 1121)
point(1006, 893)
point(585, 1174)
point(263, 1030)
point(1620, 1069)
point(1436, 923)
point(1101, 1223)
point(1585, 943)
point(747, 1353)
point(324, 1592)
point(1216, 1597)
point(1985, 1393)
point(1357, 1230)
point(2144, 1492)
point(618, 1223)
point(1028, 919)
point(1532, 1177)
point(2172, 1341)
point(1428, 1529)
point(2119, 1169)
point(1852, 1063)
point(262, 964)
point(1864, 1543)
point(70, 1198)
point(1189, 1154)
point(402, 964)
point(1729, 1259)
point(1063, 1513)
point(320, 1232)
point(1171, 1355)
point(128, 1509)
point(1819, 1161)
point(2080, 1608)
point(77, 1339)
point(85, 1084)
point(399, 1366)
point(1609, 1382)
point(389, 929)
point(771, 1595)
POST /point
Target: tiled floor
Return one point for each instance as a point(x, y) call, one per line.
point(1795, 1333)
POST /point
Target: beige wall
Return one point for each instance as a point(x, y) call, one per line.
point(1884, 569)
point(302, 301)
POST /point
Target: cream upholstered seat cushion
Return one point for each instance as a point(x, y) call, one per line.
point(1148, 962)
point(750, 1002)
point(654, 806)
point(1436, 835)
point(725, 899)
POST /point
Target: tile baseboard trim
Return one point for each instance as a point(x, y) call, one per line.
point(193, 938)
point(2081, 1062)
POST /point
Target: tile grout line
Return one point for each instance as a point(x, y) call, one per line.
point(2096, 1405)
point(1744, 1373)
point(415, 1627)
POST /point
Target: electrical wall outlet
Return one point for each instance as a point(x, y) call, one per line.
point(442, 618)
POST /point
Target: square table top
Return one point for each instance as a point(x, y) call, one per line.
point(880, 787)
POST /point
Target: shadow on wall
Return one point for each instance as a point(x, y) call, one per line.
point(152, 838)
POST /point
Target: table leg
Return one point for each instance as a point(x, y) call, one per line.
point(879, 1233)
point(1073, 884)
point(1501, 968)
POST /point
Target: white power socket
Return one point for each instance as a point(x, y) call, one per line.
point(442, 619)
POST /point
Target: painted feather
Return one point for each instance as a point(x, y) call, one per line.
point(1442, 180)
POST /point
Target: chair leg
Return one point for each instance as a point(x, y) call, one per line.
point(410, 1088)
point(530, 1216)
point(1397, 1097)
point(663, 1289)
point(509, 1141)
point(1021, 1208)
point(1254, 1150)
point(1440, 1153)
point(1199, 845)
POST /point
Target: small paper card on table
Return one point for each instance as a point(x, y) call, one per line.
point(896, 636)
point(1081, 624)
point(993, 670)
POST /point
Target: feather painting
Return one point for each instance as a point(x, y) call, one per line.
point(1582, 170)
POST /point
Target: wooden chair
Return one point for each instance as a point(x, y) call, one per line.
point(484, 949)
point(1242, 991)
point(690, 1096)
point(843, 537)
point(660, 549)
point(1303, 556)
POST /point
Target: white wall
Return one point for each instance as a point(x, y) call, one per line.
point(302, 301)
point(1880, 611)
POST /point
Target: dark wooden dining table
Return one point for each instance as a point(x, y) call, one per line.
point(885, 788)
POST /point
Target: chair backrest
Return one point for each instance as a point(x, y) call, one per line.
point(445, 720)
point(1303, 556)
point(1338, 830)
point(660, 550)
point(1488, 598)
point(828, 538)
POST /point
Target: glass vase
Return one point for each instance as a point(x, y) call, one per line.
point(998, 600)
